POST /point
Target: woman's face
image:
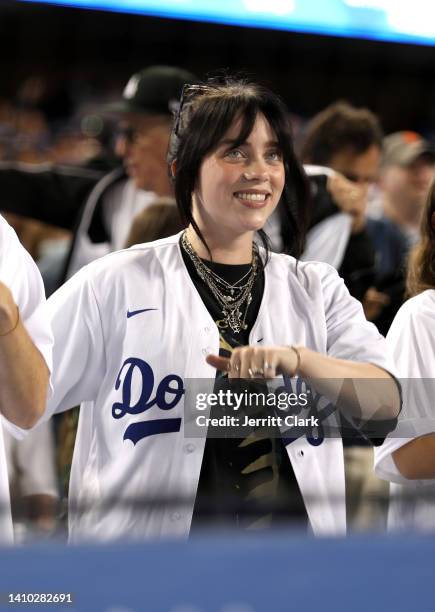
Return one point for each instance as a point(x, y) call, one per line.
point(239, 187)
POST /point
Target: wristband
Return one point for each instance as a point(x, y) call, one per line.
point(296, 350)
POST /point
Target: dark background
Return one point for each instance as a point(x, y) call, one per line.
point(90, 51)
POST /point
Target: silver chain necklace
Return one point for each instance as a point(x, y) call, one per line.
point(234, 287)
point(234, 309)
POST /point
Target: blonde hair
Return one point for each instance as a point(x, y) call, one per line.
point(421, 266)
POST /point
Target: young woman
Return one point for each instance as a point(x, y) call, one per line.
point(134, 327)
point(407, 457)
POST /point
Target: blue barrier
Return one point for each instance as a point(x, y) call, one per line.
point(274, 573)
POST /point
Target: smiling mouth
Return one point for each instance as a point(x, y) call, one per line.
point(252, 199)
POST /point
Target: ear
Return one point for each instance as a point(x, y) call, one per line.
point(173, 168)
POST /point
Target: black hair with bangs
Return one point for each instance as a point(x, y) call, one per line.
point(205, 114)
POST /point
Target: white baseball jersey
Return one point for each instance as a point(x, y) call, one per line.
point(129, 329)
point(121, 202)
point(20, 274)
point(411, 341)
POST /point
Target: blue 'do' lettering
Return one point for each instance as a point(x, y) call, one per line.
point(119, 409)
point(145, 401)
point(164, 387)
point(315, 436)
point(150, 427)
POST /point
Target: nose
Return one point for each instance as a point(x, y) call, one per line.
point(257, 170)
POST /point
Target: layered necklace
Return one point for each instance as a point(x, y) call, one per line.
point(233, 299)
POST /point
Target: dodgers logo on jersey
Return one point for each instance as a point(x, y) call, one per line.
point(319, 407)
point(171, 385)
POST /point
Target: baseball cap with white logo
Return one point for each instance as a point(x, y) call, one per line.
point(403, 148)
point(154, 90)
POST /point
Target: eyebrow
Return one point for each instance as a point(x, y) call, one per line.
point(232, 141)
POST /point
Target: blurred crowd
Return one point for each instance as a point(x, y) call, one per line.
point(79, 179)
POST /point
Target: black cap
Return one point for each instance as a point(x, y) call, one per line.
point(154, 90)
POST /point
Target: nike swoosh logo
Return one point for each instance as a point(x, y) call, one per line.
point(131, 313)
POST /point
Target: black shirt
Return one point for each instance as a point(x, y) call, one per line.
point(246, 483)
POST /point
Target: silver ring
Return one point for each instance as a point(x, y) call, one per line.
point(267, 365)
point(237, 367)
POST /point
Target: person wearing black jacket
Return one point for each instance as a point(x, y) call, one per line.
point(49, 193)
point(99, 203)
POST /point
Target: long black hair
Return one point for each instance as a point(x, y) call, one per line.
point(205, 114)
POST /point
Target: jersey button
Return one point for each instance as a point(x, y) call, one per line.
point(207, 350)
point(175, 516)
point(300, 453)
point(189, 448)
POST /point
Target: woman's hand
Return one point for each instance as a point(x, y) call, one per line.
point(362, 390)
point(258, 362)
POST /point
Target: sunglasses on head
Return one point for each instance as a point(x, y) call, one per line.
point(189, 93)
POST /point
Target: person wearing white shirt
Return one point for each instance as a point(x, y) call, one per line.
point(407, 456)
point(25, 351)
point(132, 329)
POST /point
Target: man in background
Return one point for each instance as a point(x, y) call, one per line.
point(407, 170)
point(347, 142)
point(146, 111)
point(100, 208)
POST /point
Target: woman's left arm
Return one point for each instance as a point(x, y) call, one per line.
point(360, 390)
point(352, 370)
